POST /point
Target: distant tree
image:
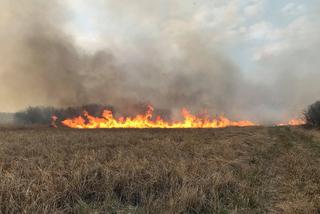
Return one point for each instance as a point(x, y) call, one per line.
point(34, 115)
point(43, 115)
point(312, 115)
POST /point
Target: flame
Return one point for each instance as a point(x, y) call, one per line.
point(144, 121)
point(293, 122)
point(53, 121)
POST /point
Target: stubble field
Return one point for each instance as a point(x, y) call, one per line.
point(232, 170)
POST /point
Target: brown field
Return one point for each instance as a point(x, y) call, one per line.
point(232, 170)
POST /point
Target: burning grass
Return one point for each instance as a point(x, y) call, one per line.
point(100, 116)
point(244, 170)
point(145, 121)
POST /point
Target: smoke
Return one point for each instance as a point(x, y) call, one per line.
point(153, 52)
point(290, 79)
point(39, 63)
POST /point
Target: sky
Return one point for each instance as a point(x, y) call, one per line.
point(250, 31)
point(248, 59)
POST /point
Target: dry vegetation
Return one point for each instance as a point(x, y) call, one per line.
point(233, 170)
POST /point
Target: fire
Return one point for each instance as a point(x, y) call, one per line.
point(107, 120)
point(53, 121)
point(293, 122)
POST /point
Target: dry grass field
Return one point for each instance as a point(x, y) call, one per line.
point(232, 170)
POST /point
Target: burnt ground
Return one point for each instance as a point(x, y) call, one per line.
point(232, 170)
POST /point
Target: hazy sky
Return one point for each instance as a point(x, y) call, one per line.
point(248, 31)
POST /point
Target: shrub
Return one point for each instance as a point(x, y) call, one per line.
point(34, 115)
point(312, 115)
point(42, 115)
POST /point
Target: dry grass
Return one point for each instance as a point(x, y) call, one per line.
point(233, 170)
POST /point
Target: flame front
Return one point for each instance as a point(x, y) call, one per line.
point(293, 122)
point(144, 121)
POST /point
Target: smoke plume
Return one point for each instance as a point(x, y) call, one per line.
point(169, 60)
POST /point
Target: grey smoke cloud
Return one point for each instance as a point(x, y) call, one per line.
point(291, 78)
point(164, 57)
point(40, 64)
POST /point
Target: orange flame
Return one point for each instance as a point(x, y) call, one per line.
point(53, 121)
point(144, 121)
point(293, 122)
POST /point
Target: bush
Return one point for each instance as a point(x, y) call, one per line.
point(42, 115)
point(34, 115)
point(312, 115)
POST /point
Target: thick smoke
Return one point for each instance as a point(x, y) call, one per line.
point(40, 64)
point(168, 61)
